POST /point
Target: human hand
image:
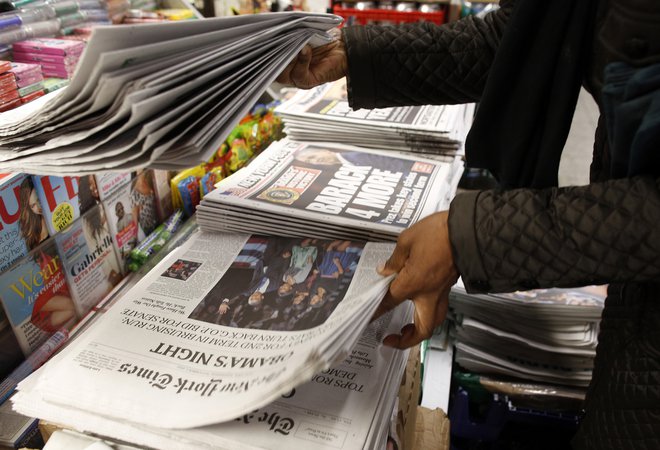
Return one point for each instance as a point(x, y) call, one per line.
point(223, 308)
point(315, 66)
point(426, 272)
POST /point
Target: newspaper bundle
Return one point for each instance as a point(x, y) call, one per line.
point(331, 191)
point(221, 345)
point(323, 114)
point(544, 335)
point(164, 95)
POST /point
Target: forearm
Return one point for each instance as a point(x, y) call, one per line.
point(524, 239)
point(417, 64)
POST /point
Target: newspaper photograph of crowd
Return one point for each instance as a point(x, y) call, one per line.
point(282, 284)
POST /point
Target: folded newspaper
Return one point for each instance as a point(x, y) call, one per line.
point(227, 324)
point(546, 335)
point(330, 191)
point(323, 112)
point(162, 95)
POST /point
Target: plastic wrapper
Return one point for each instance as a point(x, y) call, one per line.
point(29, 89)
point(189, 191)
point(34, 95)
point(10, 105)
point(209, 180)
point(176, 14)
point(53, 84)
point(155, 241)
point(196, 172)
point(46, 28)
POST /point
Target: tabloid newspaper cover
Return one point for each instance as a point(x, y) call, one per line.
point(338, 185)
point(175, 344)
point(89, 259)
point(36, 297)
point(22, 223)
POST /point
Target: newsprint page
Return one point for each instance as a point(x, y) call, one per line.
point(224, 325)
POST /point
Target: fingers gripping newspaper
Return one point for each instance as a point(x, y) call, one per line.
point(224, 325)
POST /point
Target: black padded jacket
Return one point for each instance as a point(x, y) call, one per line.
point(605, 232)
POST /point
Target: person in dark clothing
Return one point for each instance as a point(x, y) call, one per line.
point(525, 64)
point(248, 310)
point(269, 278)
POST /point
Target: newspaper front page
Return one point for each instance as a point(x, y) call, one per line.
point(339, 185)
point(230, 320)
point(346, 406)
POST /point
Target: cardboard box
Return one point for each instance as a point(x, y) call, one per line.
point(419, 428)
point(431, 430)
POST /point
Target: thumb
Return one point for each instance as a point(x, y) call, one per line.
point(396, 260)
point(301, 67)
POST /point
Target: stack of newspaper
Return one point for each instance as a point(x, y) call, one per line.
point(164, 95)
point(545, 335)
point(323, 114)
point(235, 342)
point(331, 191)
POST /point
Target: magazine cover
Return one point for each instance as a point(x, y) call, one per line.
point(22, 223)
point(64, 199)
point(163, 191)
point(339, 185)
point(121, 223)
point(36, 296)
point(143, 203)
point(109, 182)
point(89, 259)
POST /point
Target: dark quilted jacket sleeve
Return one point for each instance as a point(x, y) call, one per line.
point(422, 63)
point(526, 239)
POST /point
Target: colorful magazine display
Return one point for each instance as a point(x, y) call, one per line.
point(121, 223)
point(64, 199)
point(22, 223)
point(89, 259)
point(36, 297)
point(109, 182)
